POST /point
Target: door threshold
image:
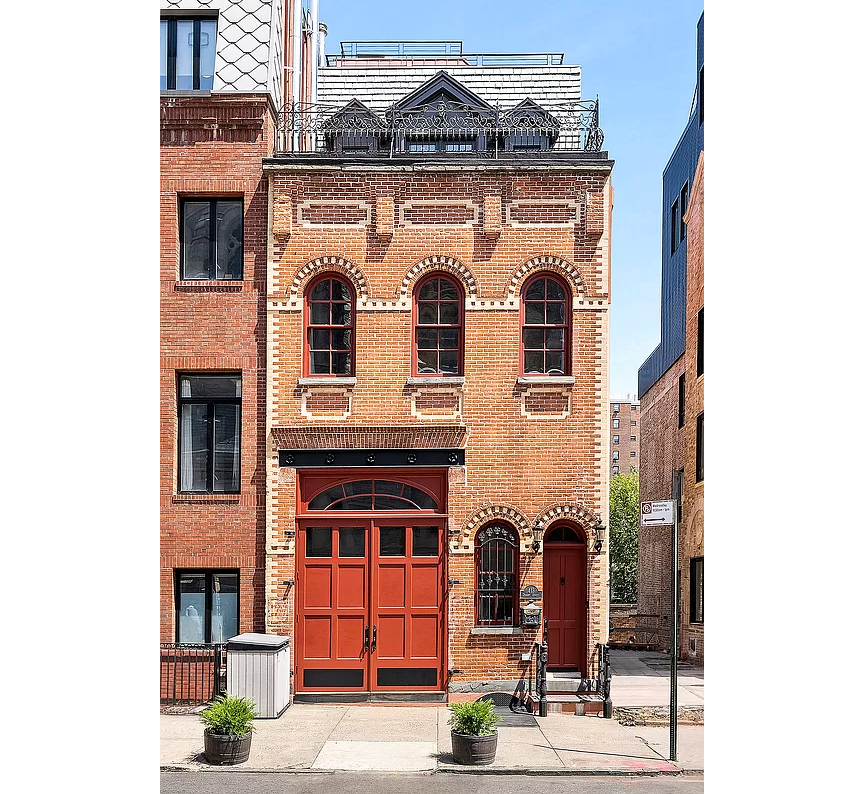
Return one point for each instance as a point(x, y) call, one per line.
point(370, 697)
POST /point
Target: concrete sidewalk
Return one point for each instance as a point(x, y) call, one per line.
point(417, 738)
point(641, 679)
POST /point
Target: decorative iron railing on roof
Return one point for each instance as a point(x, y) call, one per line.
point(437, 50)
point(444, 127)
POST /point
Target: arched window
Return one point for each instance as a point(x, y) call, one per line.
point(563, 533)
point(545, 326)
point(329, 327)
point(497, 563)
point(373, 495)
point(439, 308)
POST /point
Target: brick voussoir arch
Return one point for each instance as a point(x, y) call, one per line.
point(335, 264)
point(586, 518)
point(446, 264)
point(490, 513)
point(555, 264)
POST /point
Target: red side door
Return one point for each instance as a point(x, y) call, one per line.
point(565, 602)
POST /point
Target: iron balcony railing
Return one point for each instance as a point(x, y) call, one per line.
point(448, 128)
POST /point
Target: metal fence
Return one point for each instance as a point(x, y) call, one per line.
point(447, 128)
point(190, 674)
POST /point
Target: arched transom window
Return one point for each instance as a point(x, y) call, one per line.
point(373, 495)
point(330, 327)
point(545, 326)
point(438, 313)
point(497, 562)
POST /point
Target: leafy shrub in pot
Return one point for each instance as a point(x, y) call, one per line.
point(473, 734)
point(228, 729)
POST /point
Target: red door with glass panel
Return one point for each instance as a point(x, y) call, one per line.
point(565, 598)
point(370, 583)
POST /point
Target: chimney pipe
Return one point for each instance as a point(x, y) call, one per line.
point(322, 37)
point(296, 54)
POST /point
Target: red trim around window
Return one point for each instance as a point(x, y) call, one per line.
point(436, 328)
point(547, 306)
point(308, 328)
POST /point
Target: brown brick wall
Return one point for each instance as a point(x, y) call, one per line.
point(213, 147)
point(522, 457)
point(627, 414)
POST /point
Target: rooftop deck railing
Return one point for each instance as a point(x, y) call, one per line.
point(463, 130)
point(438, 50)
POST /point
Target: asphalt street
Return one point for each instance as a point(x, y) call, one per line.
point(223, 782)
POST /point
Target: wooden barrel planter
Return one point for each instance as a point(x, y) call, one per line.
point(224, 749)
point(474, 750)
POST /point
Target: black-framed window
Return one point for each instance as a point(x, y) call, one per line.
point(615, 439)
point(614, 470)
point(187, 53)
point(674, 227)
point(209, 437)
point(211, 239)
point(497, 565)
point(616, 407)
point(632, 453)
point(700, 447)
point(443, 145)
point(678, 490)
point(632, 438)
point(700, 342)
point(207, 604)
point(682, 226)
point(616, 422)
point(697, 590)
point(681, 398)
point(633, 423)
point(614, 454)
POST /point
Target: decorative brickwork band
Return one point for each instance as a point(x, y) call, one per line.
point(449, 264)
point(335, 263)
point(485, 514)
point(556, 264)
point(570, 511)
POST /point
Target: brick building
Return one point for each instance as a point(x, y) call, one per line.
point(437, 343)
point(671, 441)
point(624, 427)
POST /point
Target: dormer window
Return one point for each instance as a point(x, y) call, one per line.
point(187, 53)
point(443, 146)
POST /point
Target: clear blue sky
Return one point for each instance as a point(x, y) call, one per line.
point(638, 56)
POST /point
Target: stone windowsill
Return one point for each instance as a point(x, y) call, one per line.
point(546, 380)
point(496, 630)
point(326, 382)
point(431, 381)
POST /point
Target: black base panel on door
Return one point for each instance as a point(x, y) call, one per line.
point(332, 678)
point(407, 676)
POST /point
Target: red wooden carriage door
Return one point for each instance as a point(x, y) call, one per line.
point(565, 588)
point(407, 605)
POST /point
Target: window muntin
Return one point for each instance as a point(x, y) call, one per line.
point(211, 239)
point(209, 433)
point(545, 327)
point(438, 333)
point(441, 145)
point(187, 54)
point(697, 590)
point(497, 561)
point(208, 606)
point(373, 495)
point(330, 327)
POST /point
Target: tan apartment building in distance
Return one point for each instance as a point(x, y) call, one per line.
point(624, 426)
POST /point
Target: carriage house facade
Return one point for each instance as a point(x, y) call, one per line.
point(437, 343)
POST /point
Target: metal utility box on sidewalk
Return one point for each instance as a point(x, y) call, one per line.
point(259, 668)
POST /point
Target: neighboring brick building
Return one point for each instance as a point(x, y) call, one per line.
point(624, 427)
point(670, 394)
point(218, 121)
point(438, 339)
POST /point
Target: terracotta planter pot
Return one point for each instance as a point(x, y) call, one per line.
point(474, 750)
point(226, 749)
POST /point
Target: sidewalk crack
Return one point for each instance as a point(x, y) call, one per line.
point(327, 739)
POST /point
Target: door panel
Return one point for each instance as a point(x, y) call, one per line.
point(564, 586)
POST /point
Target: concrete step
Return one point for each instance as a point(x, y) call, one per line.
point(584, 704)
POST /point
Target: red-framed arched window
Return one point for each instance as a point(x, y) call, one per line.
point(497, 566)
point(439, 310)
point(329, 327)
point(546, 326)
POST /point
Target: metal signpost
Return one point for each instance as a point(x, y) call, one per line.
point(666, 514)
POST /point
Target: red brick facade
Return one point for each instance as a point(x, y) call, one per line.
point(624, 427)
point(534, 451)
point(213, 147)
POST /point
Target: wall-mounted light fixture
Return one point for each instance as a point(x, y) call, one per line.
point(537, 532)
point(599, 536)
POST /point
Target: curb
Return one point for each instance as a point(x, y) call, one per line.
point(452, 770)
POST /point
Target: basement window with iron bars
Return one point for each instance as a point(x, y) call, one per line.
point(497, 563)
point(187, 53)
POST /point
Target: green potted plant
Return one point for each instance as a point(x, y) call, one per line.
point(473, 733)
point(228, 732)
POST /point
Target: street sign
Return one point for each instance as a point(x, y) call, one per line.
point(658, 514)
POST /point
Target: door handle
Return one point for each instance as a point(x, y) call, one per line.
point(374, 637)
point(365, 639)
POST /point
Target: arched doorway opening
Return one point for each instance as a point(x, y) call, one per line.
point(565, 596)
